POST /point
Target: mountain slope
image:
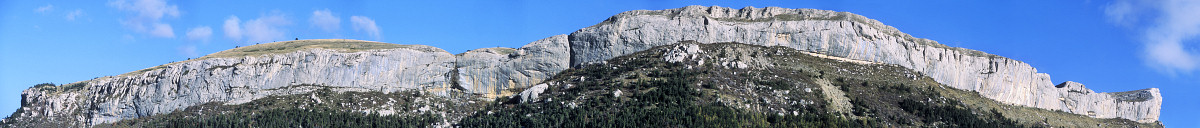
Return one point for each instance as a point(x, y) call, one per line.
point(851, 36)
point(248, 73)
point(681, 85)
point(237, 79)
point(740, 85)
point(312, 72)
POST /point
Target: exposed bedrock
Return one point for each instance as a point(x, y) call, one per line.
point(851, 36)
point(236, 80)
point(494, 72)
point(239, 80)
point(490, 71)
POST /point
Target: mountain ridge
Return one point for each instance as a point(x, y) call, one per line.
point(694, 84)
point(850, 36)
point(492, 72)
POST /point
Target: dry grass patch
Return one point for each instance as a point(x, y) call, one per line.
point(343, 45)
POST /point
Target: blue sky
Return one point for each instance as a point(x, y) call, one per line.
point(1108, 45)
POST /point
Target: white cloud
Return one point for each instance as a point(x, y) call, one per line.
point(148, 9)
point(74, 14)
point(325, 20)
point(189, 51)
point(201, 33)
point(364, 24)
point(44, 9)
point(146, 16)
point(162, 30)
point(1170, 31)
point(233, 29)
point(263, 29)
point(1121, 13)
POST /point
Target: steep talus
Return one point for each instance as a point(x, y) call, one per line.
point(254, 72)
point(847, 35)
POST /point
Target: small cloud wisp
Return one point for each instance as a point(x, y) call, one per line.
point(325, 20)
point(1170, 31)
point(364, 24)
point(146, 16)
point(267, 28)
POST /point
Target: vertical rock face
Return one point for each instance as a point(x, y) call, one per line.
point(241, 78)
point(490, 71)
point(1137, 103)
point(851, 36)
point(238, 80)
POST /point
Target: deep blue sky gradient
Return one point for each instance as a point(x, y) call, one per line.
point(1070, 40)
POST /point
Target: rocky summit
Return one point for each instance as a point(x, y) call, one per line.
point(427, 81)
point(851, 36)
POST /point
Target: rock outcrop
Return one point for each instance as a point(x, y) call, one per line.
point(494, 72)
point(847, 35)
point(1080, 100)
point(238, 80)
point(260, 73)
point(490, 71)
point(532, 93)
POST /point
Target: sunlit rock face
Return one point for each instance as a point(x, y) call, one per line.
point(493, 72)
point(242, 79)
point(1138, 103)
point(847, 35)
point(489, 71)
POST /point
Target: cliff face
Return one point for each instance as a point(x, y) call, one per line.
point(492, 72)
point(672, 84)
point(239, 80)
point(159, 90)
point(852, 36)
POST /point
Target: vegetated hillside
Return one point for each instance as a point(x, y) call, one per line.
point(344, 45)
point(239, 76)
point(682, 85)
point(860, 77)
point(322, 108)
point(741, 85)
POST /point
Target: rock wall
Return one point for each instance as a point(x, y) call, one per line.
point(490, 71)
point(493, 71)
point(1081, 100)
point(851, 36)
point(239, 80)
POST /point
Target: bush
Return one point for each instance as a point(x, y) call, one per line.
point(44, 85)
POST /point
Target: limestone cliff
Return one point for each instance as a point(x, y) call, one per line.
point(490, 71)
point(240, 75)
point(236, 80)
point(295, 67)
point(847, 35)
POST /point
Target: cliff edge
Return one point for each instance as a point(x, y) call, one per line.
point(248, 73)
point(852, 36)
